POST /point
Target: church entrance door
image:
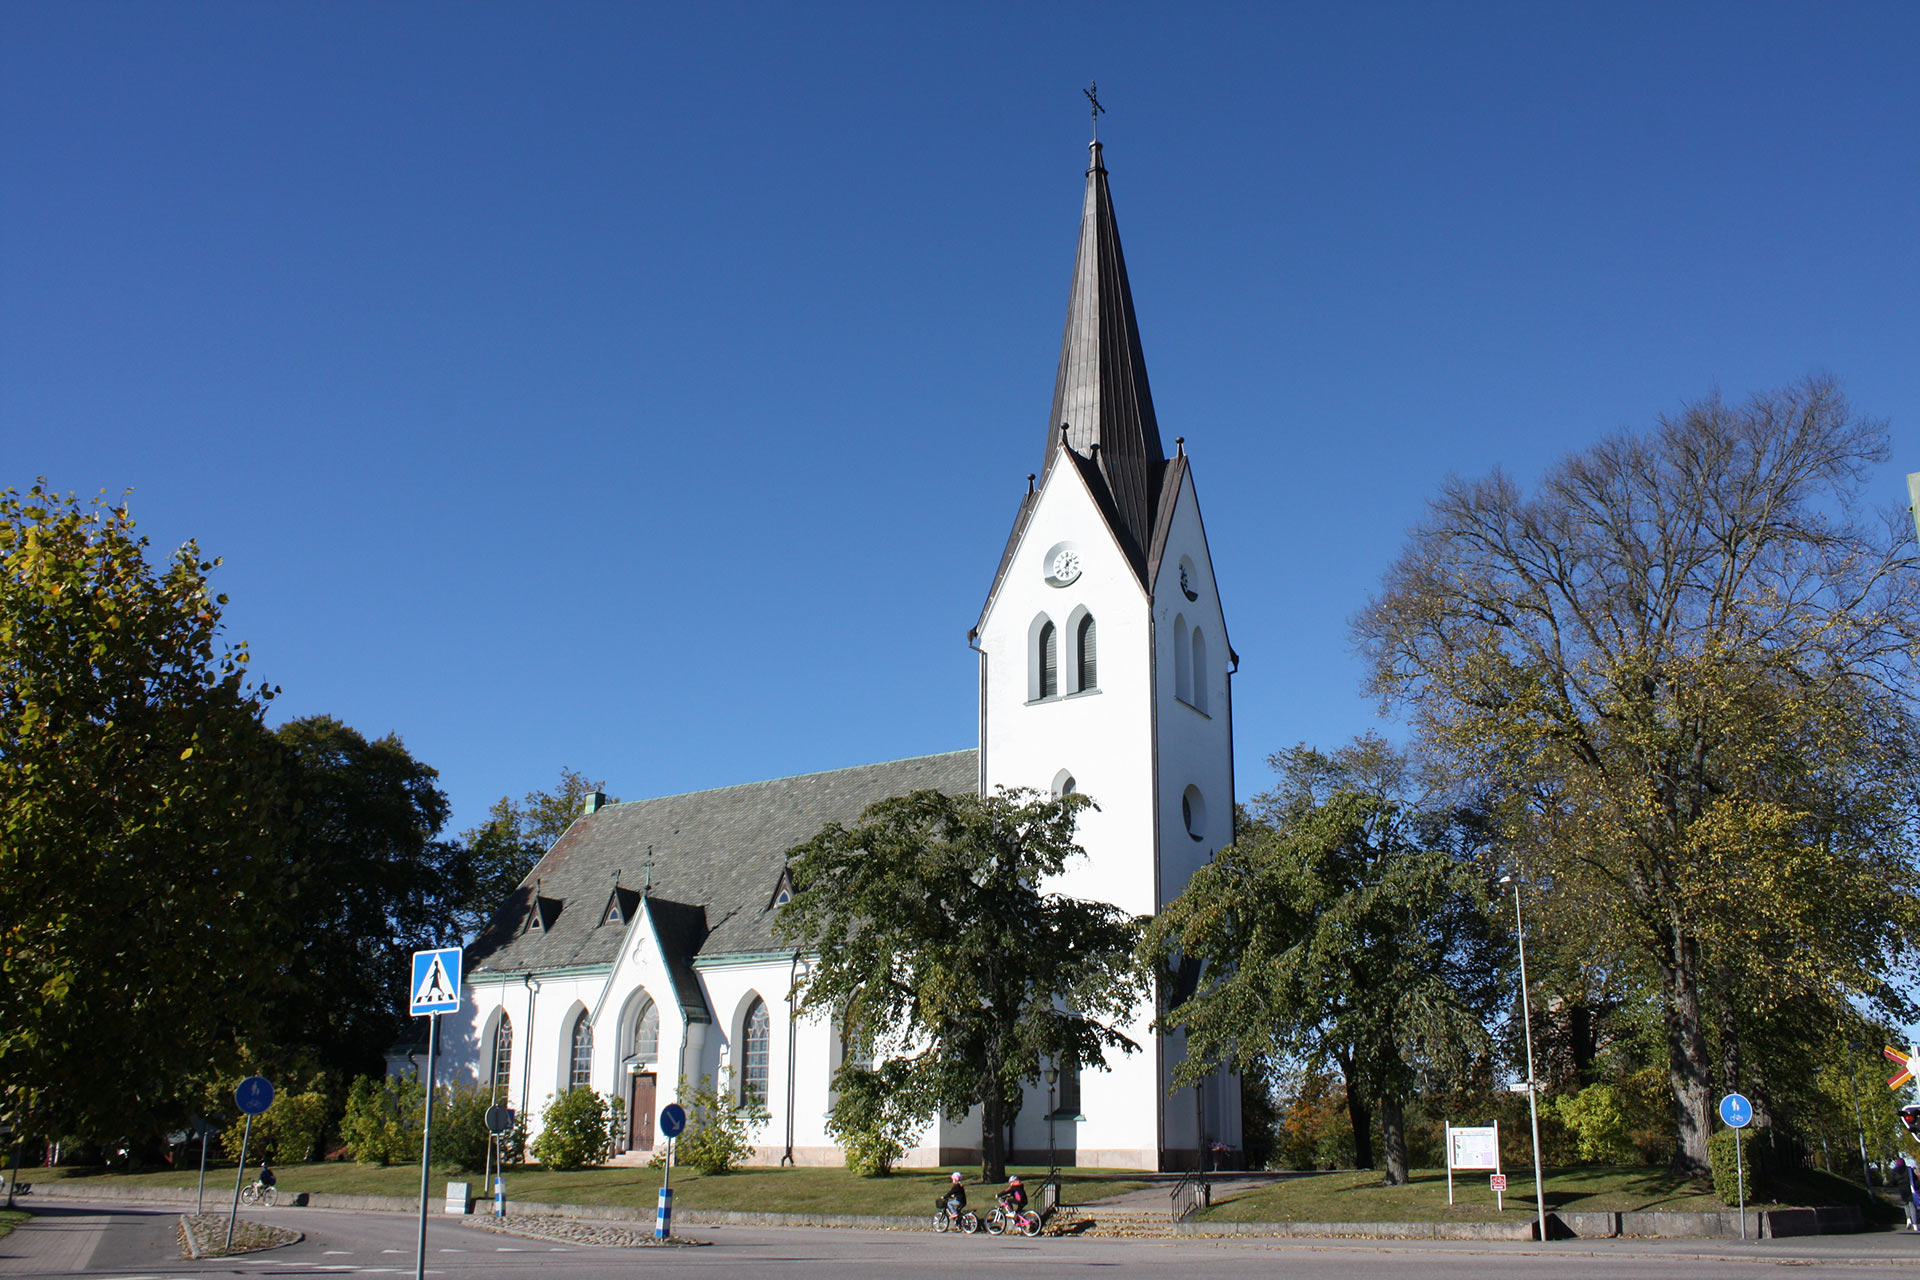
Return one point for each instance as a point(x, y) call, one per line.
point(640, 1112)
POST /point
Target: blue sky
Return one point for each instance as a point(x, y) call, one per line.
point(649, 389)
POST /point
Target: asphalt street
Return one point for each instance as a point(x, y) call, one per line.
point(123, 1243)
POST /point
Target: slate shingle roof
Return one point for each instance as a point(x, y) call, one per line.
point(717, 858)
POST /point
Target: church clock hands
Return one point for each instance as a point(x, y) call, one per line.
point(1064, 567)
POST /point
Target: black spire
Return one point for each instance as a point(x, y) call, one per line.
point(1100, 395)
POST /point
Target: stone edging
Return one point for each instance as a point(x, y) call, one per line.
point(1770, 1224)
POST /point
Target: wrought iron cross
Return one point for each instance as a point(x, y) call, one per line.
point(1093, 97)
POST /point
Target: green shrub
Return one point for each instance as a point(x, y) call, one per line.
point(719, 1135)
point(382, 1122)
point(460, 1136)
point(1726, 1182)
point(574, 1131)
point(872, 1119)
point(285, 1133)
point(1598, 1124)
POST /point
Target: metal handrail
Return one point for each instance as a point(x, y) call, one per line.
point(1188, 1195)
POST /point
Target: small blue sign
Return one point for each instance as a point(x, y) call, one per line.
point(1736, 1111)
point(672, 1120)
point(436, 982)
point(254, 1095)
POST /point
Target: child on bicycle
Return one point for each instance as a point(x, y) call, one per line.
point(266, 1178)
point(1014, 1198)
point(955, 1198)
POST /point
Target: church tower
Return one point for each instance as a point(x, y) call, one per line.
point(1104, 669)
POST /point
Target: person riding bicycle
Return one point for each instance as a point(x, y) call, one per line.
point(1014, 1198)
point(955, 1198)
point(266, 1178)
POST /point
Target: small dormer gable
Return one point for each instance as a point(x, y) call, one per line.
point(782, 890)
point(622, 904)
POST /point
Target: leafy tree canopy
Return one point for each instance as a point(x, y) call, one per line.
point(1345, 926)
point(140, 879)
point(1685, 668)
point(498, 854)
point(372, 883)
point(937, 943)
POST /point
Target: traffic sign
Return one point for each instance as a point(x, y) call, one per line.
point(1736, 1111)
point(499, 1120)
point(436, 982)
point(254, 1095)
point(1498, 1181)
point(672, 1120)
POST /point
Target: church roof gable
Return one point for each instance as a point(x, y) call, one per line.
point(714, 852)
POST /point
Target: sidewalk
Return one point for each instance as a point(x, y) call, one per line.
point(54, 1241)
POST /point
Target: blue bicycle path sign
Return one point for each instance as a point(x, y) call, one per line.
point(254, 1095)
point(1736, 1111)
point(436, 982)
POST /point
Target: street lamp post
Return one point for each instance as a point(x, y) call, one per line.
point(1053, 1162)
point(1853, 1087)
point(1533, 1088)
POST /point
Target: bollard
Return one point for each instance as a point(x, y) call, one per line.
point(499, 1196)
point(663, 1223)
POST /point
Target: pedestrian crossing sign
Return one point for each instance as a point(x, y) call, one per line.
point(436, 982)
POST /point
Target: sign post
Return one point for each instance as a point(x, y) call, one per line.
point(1473, 1147)
point(499, 1125)
point(253, 1096)
point(672, 1120)
point(1737, 1112)
point(435, 990)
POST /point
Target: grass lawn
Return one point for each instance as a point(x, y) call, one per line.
point(1361, 1197)
point(9, 1219)
point(758, 1190)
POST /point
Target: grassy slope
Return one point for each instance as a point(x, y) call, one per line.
point(755, 1190)
point(1361, 1197)
point(9, 1219)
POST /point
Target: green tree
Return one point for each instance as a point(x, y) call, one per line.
point(719, 1132)
point(372, 884)
point(1686, 667)
point(935, 938)
point(1344, 927)
point(497, 855)
point(140, 877)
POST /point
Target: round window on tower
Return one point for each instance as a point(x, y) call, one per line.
point(1193, 812)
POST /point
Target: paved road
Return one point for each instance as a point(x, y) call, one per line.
point(122, 1243)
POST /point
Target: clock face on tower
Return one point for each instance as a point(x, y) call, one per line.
point(1062, 564)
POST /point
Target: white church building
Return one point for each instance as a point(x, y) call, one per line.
point(640, 952)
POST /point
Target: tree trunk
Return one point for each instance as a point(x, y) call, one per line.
point(1393, 1132)
point(1687, 1062)
point(993, 1136)
point(1362, 1121)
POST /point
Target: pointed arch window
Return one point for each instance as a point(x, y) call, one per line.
point(503, 1053)
point(1049, 661)
point(1182, 659)
point(1086, 653)
point(580, 1056)
point(756, 1031)
point(646, 1034)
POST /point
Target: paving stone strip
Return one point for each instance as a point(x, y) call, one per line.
point(204, 1235)
point(587, 1232)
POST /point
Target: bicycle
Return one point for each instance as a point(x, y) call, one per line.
point(1003, 1219)
point(259, 1193)
point(966, 1220)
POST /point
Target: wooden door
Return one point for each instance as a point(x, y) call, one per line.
point(640, 1113)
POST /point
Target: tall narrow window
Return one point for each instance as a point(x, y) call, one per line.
point(1199, 698)
point(1069, 1104)
point(502, 1054)
point(1086, 644)
point(755, 1032)
point(580, 1062)
point(646, 1034)
point(1182, 659)
point(1049, 661)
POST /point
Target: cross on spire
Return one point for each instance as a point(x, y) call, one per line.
point(1092, 92)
